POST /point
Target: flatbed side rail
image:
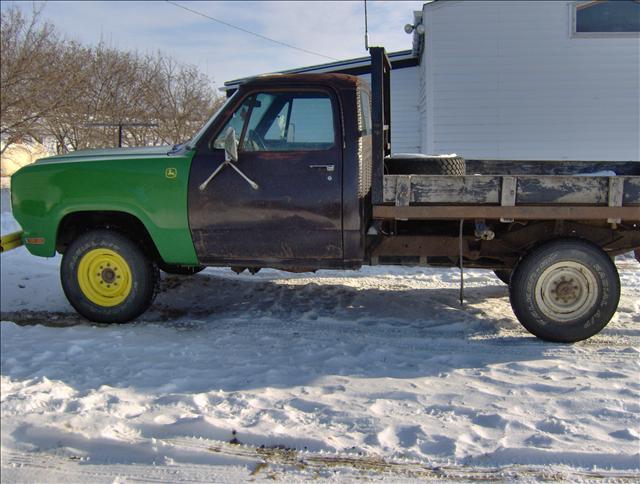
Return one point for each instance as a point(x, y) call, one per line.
point(10, 241)
point(506, 197)
point(436, 212)
point(403, 190)
point(544, 197)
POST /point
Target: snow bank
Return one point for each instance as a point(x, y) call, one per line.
point(7, 223)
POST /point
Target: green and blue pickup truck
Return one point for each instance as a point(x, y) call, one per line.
point(295, 173)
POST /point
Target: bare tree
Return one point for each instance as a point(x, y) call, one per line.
point(33, 85)
point(110, 95)
point(182, 101)
point(76, 94)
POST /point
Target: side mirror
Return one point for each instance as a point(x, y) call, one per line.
point(230, 145)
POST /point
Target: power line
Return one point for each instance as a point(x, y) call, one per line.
point(248, 31)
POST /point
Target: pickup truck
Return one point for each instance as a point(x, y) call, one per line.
point(294, 172)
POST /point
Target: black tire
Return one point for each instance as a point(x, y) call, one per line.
point(142, 273)
point(180, 270)
point(565, 290)
point(425, 165)
point(504, 275)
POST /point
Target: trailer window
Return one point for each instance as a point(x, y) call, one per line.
point(607, 17)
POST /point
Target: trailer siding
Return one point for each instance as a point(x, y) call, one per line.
point(507, 80)
point(405, 116)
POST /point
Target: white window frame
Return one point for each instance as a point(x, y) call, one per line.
point(573, 11)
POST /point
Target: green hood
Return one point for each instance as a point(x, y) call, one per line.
point(149, 184)
point(112, 153)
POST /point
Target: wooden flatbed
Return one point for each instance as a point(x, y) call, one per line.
point(502, 190)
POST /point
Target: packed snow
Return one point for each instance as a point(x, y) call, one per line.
point(376, 374)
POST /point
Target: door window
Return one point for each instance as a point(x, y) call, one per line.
point(279, 129)
point(311, 122)
point(283, 121)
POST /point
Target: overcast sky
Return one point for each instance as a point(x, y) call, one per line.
point(334, 29)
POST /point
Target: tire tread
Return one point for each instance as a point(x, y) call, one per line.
point(541, 326)
point(145, 288)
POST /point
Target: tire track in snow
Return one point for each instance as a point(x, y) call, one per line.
point(277, 462)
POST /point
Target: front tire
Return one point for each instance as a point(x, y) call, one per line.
point(107, 277)
point(565, 291)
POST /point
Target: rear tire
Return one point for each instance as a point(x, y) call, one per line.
point(425, 165)
point(107, 277)
point(565, 290)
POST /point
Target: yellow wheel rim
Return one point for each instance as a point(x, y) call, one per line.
point(104, 277)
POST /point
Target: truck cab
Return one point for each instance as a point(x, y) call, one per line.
point(297, 194)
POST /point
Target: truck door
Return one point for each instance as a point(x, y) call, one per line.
point(290, 145)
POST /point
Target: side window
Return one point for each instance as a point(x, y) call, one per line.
point(605, 17)
point(282, 121)
point(278, 129)
point(291, 121)
point(311, 122)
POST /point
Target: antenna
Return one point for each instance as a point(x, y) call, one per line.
point(366, 28)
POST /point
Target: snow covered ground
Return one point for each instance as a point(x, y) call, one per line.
point(376, 374)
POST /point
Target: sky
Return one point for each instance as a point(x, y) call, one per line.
point(333, 29)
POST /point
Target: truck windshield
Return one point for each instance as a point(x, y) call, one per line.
point(194, 140)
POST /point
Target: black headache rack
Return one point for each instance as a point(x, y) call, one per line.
point(381, 119)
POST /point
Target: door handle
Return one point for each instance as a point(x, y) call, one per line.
point(324, 167)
